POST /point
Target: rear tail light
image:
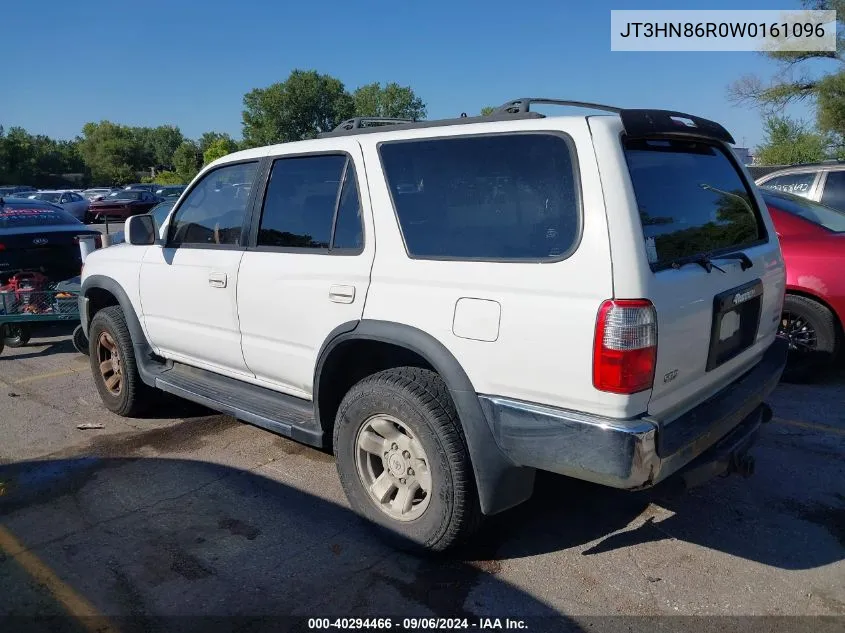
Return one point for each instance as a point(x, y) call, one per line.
point(2, 247)
point(625, 348)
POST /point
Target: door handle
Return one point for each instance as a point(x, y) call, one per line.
point(342, 294)
point(217, 280)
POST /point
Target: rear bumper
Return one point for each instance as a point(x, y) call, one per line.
point(640, 452)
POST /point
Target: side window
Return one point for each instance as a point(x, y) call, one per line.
point(799, 184)
point(507, 196)
point(214, 210)
point(65, 198)
point(301, 201)
point(834, 190)
point(348, 229)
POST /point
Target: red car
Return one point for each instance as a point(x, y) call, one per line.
point(122, 204)
point(812, 237)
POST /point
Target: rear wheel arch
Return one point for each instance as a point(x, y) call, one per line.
point(501, 484)
point(801, 292)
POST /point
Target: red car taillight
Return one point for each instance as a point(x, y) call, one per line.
point(2, 247)
point(625, 348)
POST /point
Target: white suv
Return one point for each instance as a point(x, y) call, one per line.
point(450, 305)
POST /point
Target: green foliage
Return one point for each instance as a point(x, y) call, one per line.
point(789, 142)
point(111, 151)
point(37, 160)
point(208, 138)
point(157, 144)
point(219, 148)
point(168, 178)
point(391, 101)
point(300, 107)
point(487, 110)
point(187, 160)
point(804, 76)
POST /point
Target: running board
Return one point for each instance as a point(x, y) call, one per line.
point(277, 412)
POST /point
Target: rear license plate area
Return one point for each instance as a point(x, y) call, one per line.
point(736, 318)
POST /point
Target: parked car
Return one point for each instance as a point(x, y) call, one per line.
point(70, 201)
point(97, 193)
point(821, 182)
point(170, 191)
point(143, 186)
point(122, 204)
point(547, 293)
point(11, 190)
point(812, 237)
point(36, 235)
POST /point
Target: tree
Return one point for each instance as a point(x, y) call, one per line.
point(210, 137)
point(186, 160)
point(167, 178)
point(300, 107)
point(391, 101)
point(487, 110)
point(218, 149)
point(802, 76)
point(111, 151)
point(788, 142)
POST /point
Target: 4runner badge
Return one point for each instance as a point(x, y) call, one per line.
point(670, 376)
point(742, 297)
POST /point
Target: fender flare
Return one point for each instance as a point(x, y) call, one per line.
point(143, 350)
point(501, 484)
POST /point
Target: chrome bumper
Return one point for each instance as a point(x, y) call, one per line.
point(640, 452)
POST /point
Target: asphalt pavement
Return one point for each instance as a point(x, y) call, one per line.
point(190, 513)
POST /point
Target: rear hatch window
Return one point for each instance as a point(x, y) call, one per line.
point(692, 200)
point(25, 217)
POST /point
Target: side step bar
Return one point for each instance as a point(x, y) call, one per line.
point(277, 412)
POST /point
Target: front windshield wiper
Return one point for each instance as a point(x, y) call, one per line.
point(702, 260)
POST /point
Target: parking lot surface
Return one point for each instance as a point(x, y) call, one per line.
point(194, 513)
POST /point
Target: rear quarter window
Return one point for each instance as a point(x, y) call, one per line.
point(491, 197)
point(691, 199)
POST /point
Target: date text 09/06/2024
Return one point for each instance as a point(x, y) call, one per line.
point(413, 624)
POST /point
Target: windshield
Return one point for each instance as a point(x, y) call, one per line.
point(48, 196)
point(692, 200)
point(126, 195)
point(823, 216)
point(23, 216)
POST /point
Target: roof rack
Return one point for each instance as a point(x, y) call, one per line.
point(358, 122)
point(638, 123)
point(524, 105)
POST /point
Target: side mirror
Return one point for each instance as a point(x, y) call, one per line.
point(140, 230)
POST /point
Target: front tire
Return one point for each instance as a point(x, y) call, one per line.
point(403, 461)
point(113, 363)
point(813, 336)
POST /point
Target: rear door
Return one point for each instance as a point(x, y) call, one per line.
point(307, 269)
point(715, 275)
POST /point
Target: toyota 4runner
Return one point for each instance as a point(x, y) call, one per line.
point(450, 305)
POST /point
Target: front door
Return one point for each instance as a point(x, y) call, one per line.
point(309, 268)
point(189, 285)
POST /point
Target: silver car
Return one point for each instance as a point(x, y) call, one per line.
point(70, 201)
point(821, 182)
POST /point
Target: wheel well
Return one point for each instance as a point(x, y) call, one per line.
point(350, 362)
point(98, 299)
point(812, 297)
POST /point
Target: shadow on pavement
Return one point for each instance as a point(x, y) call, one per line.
point(150, 537)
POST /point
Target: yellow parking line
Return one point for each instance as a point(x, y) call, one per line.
point(810, 425)
point(52, 374)
point(85, 613)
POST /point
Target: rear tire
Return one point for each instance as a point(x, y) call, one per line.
point(80, 341)
point(813, 336)
point(407, 411)
point(113, 364)
point(16, 335)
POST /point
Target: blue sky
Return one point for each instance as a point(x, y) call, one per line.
point(190, 63)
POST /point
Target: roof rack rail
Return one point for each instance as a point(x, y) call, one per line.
point(524, 105)
point(359, 122)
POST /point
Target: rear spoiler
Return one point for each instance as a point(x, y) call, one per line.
point(641, 123)
point(637, 123)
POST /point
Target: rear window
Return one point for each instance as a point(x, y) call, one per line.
point(20, 217)
point(692, 200)
point(831, 219)
point(496, 197)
